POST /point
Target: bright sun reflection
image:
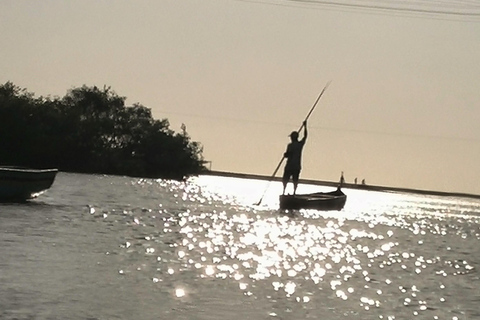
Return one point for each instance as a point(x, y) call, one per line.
point(364, 255)
point(274, 247)
point(179, 293)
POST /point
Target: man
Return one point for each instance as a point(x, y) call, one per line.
point(294, 159)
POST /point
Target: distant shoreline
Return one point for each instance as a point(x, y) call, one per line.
point(345, 185)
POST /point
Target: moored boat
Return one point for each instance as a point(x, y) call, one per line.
point(334, 200)
point(19, 184)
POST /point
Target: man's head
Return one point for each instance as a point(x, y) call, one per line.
point(294, 135)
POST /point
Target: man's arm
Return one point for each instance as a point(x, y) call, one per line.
point(305, 131)
point(287, 152)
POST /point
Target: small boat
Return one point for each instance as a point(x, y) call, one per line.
point(334, 200)
point(20, 184)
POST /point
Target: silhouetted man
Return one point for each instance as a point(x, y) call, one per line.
point(294, 159)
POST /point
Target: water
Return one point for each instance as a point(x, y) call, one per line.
point(105, 247)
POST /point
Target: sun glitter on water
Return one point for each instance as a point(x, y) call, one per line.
point(180, 292)
point(359, 258)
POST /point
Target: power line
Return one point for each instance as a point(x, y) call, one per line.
point(404, 6)
point(460, 10)
point(336, 129)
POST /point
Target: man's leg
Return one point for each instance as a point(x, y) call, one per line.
point(284, 181)
point(285, 178)
point(295, 177)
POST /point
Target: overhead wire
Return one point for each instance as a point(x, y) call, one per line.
point(397, 6)
point(431, 9)
point(460, 10)
point(336, 129)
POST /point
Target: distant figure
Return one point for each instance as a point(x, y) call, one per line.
point(294, 159)
point(342, 180)
point(363, 181)
point(355, 180)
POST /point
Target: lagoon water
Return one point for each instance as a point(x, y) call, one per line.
point(107, 247)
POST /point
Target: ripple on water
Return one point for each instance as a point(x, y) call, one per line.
point(396, 262)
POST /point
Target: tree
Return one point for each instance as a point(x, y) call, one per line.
point(91, 130)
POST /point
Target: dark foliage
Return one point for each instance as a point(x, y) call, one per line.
point(91, 130)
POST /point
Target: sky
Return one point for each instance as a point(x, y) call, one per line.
point(402, 108)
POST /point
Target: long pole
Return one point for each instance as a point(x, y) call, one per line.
point(301, 127)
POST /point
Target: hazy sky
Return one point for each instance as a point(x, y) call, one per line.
point(403, 107)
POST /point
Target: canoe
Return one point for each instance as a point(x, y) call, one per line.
point(334, 200)
point(19, 184)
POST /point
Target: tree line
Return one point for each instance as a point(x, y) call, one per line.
point(91, 130)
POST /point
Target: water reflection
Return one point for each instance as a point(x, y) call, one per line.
point(384, 255)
